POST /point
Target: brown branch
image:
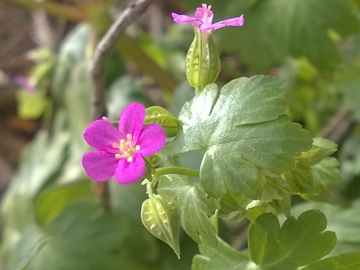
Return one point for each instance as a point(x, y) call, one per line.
point(106, 43)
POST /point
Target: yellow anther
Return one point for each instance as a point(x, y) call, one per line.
point(137, 148)
point(127, 143)
point(129, 137)
point(129, 159)
point(122, 145)
point(117, 155)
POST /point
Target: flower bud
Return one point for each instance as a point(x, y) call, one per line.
point(202, 61)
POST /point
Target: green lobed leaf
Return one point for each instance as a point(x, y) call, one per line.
point(241, 126)
point(275, 29)
point(222, 256)
point(159, 115)
point(195, 207)
point(294, 244)
point(346, 261)
point(161, 218)
point(344, 222)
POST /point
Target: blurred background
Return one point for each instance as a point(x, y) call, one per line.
point(51, 213)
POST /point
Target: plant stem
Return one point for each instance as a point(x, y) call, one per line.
point(177, 170)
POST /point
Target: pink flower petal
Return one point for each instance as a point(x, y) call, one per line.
point(203, 19)
point(152, 138)
point(99, 165)
point(132, 120)
point(101, 135)
point(130, 172)
point(238, 21)
point(184, 19)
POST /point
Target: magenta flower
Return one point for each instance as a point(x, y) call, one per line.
point(121, 152)
point(203, 19)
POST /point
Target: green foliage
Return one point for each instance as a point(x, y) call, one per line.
point(91, 241)
point(271, 246)
point(348, 261)
point(241, 126)
point(71, 52)
point(315, 174)
point(292, 245)
point(52, 201)
point(247, 155)
point(275, 29)
point(343, 221)
point(195, 207)
point(222, 257)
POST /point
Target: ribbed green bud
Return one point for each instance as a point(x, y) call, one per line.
point(161, 116)
point(161, 218)
point(202, 61)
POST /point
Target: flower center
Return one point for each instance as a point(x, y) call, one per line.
point(126, 148)
point(206, 9)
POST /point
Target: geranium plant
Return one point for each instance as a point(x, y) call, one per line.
point(209, 180)
point(254, 159)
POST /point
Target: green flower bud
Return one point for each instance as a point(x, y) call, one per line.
point(202, 61)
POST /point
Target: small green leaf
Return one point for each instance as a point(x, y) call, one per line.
point(233, 207)
point(293, 245)
point(221, 257)
point(195, 207)
point(320, 149)
point(161, 116)
point(154, 160)
point(161, 218)
point(315, 174)
point(346, 261)
point(242, 128)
